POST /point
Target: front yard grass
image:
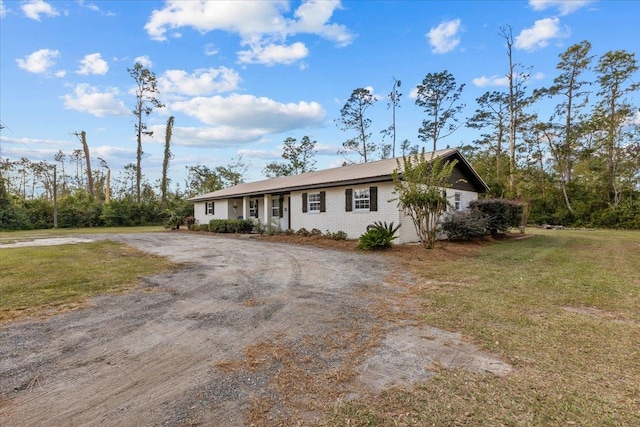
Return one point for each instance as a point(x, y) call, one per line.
point(563, 307)
point(42, 280)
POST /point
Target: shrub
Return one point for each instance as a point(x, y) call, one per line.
point(315, 232)
point(501, 214)
point(194, 227)
point(289, 232)
point(204, 227)
point(379, 236)
point(338, 235)
point(231, 225)
point(302, 232)
point(465, 225)
point(189, 221)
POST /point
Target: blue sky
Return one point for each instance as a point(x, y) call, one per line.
point(242, 76)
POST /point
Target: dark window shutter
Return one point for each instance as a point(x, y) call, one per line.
point(257, 208)
point(206, 208)
point(323, 203)
point(213, 208)
point(373, 199)
point(348, 199)
point(304, 202)
point(281, 203)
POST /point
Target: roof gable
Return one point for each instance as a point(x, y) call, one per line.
point(378, 171)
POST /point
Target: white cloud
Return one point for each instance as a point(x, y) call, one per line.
point(491, 81)
point(4, 11)
point(143, 60)
point(88, 99)
point(565, 7)
point(93, 64)
point(201, 82)
point(261, 25)
point(34, 8)
point(210, 49)
point(413, 93)
point(39, 61)
point(444, 38)
point(245, 118)
point(273, 54)
point(214, 136)
point(539, 35)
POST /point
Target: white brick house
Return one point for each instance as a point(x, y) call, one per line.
point(345, 199)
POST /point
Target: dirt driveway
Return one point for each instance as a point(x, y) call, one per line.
point(249, 333)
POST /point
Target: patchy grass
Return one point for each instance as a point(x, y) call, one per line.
point(45, 280)
point(563, 307)
point(7, 237)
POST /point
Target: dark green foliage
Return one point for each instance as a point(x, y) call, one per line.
point(379, 236)
point(243, 226)
point(501, 214)
point(79, 209)
point(468, 225)
point(315, 232)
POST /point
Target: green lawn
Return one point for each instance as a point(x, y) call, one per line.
point(45, 279)
point(563, 307)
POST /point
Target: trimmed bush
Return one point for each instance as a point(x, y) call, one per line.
point(302, 232)
point(315, 232)
point(468, 225)
point(379, 236)
point(501, 214)
point(230, 226)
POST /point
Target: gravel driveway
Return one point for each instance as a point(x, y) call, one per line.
point(248, 333)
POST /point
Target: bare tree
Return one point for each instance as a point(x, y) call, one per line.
point(82, 136)
point(165, 162)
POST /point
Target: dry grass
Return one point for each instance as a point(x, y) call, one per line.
point(562, 307)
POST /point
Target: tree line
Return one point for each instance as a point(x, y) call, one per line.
point(578, 166)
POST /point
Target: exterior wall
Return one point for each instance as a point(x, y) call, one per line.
point(221, 209)
point(336, 218)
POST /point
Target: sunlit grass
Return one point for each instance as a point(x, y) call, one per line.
point(35, 280)
point(563, 307)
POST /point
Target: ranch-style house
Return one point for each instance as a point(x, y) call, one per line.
point(346, 198)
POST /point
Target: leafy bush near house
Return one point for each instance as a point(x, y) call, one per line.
point(338, 235)
point(231, 226)
point(203, 227)
point(501, 214)
point(302, 232)
point(315, 232)
point(379, 236)
point(465, 225)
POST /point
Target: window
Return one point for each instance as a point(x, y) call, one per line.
point(361, 199)
point(457, 201)
point(209, 208)
point(253, 208)
point(314, 202)
point(275, 208)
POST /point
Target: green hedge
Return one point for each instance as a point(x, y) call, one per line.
point(231, 225)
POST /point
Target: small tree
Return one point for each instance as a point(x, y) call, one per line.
point(420, 184)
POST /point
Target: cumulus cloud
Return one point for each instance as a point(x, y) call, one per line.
point(93, 64)
point(39, 61)
point(143, 60)
point(539, 35)
point(565, 7)
point(237, 119)
point(88, 99)
point(210, 49)
point(262, 26)
point(35, 8)
point(272, 54)
point(444, 38)
point(201, 82)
